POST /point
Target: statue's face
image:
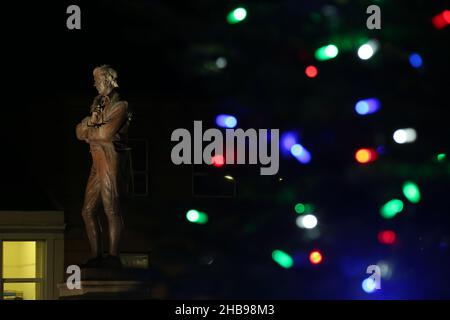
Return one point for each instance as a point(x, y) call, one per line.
point(101, 85)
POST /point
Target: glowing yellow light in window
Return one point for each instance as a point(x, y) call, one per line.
point(19, 291)
point(19, 259)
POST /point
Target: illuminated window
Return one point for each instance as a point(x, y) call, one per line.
point(21, 270)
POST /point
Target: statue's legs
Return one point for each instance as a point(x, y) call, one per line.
point(111, 205)
point(89, 212)
point(111, 200)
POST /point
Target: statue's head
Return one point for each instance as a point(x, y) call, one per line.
point(105, 79)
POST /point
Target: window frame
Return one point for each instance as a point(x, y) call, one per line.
point(45, 225)
point(41, 282)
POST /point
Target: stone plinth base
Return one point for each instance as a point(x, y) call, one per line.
point(106, 290)
point(110, 284)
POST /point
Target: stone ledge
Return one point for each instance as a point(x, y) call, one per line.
point(103, 289)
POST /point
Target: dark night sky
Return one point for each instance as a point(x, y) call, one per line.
point(155, 47)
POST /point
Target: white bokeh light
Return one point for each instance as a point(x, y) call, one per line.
point(365, 52)
point(407, 135)
point(331, 51)
point(221, 62)
point(308, 221)
point(240, 14)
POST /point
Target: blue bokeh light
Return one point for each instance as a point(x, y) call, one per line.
point(288, 139)
point(368, 285)
point(415, 60)
point(226, 121)
point(300, 153)
point(367, 106)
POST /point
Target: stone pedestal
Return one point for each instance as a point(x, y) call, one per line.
point(110, 284)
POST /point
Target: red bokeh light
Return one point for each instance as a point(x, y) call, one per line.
point(387, 237)
point(218, 160)
point(315, 257)
point(446, 15)
point(441, 20)
point(311, 72)
point(366, 155)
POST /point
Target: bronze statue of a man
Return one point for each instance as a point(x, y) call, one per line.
point(106, 132)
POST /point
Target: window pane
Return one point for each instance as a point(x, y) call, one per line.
point(19, 259)
point(20, 291)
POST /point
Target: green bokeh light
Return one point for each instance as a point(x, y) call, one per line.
point(196, 216)
point(326, 52)
point(441, 157)
point(411, 191)
point(299, 208)
point(391, 208)
point(283, 259)
point(237, 15)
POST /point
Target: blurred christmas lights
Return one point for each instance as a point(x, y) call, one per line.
point(387, 237)
point(407, 135)
point(411, 192)
point(367, 106)
point(391, 208)
point(441, 20)
point(326, 52)
point(288, 139)
point(283, 259)
point(300, 153)
point(218, 161)
point(315, 257)
point(311, 72)
point(367, 50)
point(196, 216)
point(221, 62)
point(415, 60)
point(299, 208)
point(368, 285)
point(441, 157)
point(308, 221)
point(237, 15)
point(366, 155)
point(226, 121)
